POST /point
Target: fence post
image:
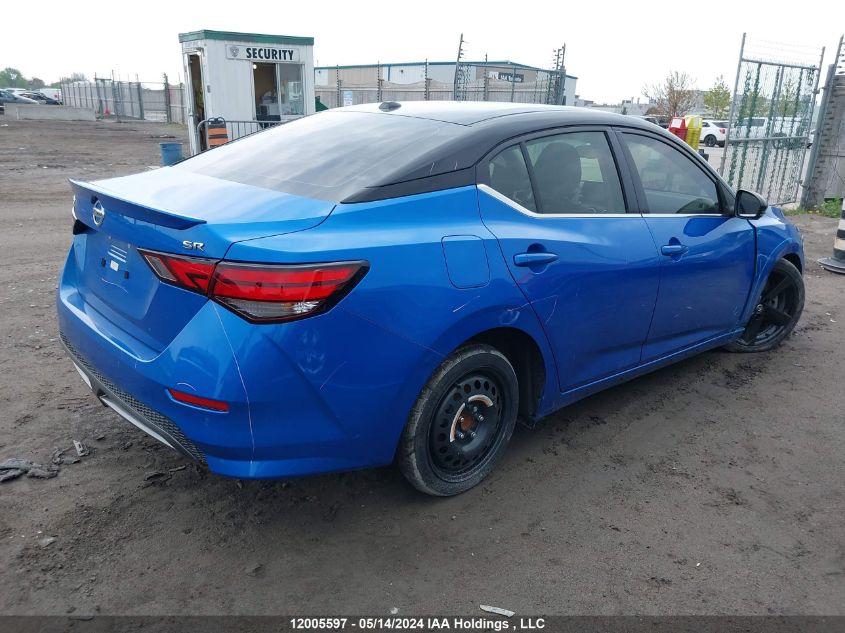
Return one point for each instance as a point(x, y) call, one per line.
point(339, 97)
point(115, 99)
point(513, 82)
point(167, 114)
point(140, 100)
point(99, 98)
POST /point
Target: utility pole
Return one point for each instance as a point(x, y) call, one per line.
point(455, 92)
point(486, 79)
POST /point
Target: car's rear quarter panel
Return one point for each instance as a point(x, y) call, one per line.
point(361, 366)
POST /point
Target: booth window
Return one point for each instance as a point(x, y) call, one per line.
point(278, 91)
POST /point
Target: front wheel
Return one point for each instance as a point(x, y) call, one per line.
point(461, 423)
point(776, 312)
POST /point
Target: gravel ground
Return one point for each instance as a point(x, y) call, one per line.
point(715, 486)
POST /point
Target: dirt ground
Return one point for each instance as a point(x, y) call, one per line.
point(716, 486)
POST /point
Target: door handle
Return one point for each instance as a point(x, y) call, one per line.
point(674, 249)
point(534, 259)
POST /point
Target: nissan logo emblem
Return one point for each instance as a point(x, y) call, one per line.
point(99, 213)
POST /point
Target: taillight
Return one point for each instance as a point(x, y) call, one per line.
point(190, 273)
point(722, 130)
point(264, 293)
point(283, 293)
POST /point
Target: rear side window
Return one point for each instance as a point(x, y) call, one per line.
point(328, 156)
point(508, 175)
point(575, 173)
point(671, 181)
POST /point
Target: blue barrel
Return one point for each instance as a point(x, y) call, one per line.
point(171, 153)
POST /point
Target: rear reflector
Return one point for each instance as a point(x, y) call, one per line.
point(262, 293)
point(197, 401)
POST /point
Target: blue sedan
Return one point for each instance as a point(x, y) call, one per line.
point(404, 281)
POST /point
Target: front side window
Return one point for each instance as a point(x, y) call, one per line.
point(508, 175)
point(672, 182)
point(575, 173)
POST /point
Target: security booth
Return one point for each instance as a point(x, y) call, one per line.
point(240, 83)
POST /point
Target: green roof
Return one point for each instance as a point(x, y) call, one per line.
point(285, 40)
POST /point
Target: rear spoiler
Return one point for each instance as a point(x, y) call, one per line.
point(88, 193)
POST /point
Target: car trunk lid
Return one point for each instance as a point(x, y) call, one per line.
point(171, 212)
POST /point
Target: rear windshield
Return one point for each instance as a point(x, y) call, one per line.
point(328, 156)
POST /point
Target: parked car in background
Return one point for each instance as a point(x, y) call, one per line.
point(401, 282)
point(52, 93)
point(11, 97)
point(713, 132)
point(647, 117)
point(40, 98)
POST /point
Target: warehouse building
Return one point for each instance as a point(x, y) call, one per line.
point(495, 80)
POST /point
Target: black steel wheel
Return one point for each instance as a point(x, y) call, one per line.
point(461, 423)
point(465, 425)
point(710, 140)
point(777, 311)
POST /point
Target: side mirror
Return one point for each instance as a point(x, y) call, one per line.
point(749, 205)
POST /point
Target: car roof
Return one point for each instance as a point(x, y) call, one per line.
point(480, 127)
point(475, 112)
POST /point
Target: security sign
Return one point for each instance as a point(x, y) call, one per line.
point(272, 54)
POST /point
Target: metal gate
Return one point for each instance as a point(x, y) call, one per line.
point(771, 118)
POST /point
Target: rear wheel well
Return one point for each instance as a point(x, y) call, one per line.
point(524, 354)
point(793, 259)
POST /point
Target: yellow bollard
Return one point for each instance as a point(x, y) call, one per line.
point(693, 130)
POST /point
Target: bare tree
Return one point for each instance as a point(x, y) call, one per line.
point(673, 97)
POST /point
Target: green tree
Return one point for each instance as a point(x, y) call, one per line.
point(717, 100)
point(36, 84)
point(12, 78)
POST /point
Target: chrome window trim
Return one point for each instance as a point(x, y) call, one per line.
point(688, 215)
point(533, 214)
point(634, 214)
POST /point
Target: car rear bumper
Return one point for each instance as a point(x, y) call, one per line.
point(303, 397)
point(131, 409)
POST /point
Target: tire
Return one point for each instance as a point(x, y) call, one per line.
point(710, 140)
point(461, 423)
point(777, 312)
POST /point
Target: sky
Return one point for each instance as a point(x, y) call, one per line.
point(614, 48)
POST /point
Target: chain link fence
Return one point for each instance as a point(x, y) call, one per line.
point(771, 118)
point(547, 87)
point(500, 91)
point(141, 100)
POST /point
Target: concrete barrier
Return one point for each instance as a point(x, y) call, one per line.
point(21, 111)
